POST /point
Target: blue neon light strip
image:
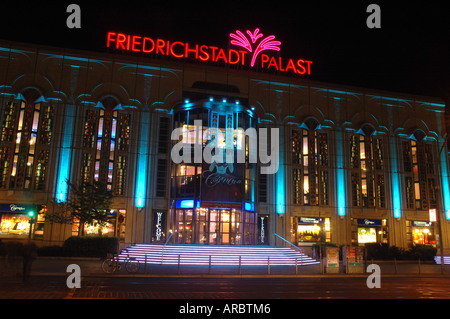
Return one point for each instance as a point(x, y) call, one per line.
point(395, 177)
point(249, 206)
point(186, 203)
point(340, 175)
point(281, 180)
point(445, 184)
point(65, 155)
point(142, 162)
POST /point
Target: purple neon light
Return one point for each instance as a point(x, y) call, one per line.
point(265, 44)
point(220, 255)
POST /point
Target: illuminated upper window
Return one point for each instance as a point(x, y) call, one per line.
point(418, 166)
point(310, 164)
point(106, 139)
point(26, 135)
point(366, 162)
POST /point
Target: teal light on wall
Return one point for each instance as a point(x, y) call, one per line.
point(142, 160)
point(280, 199)
point(65, 155)
point(395, 180)
point(341, 190)
point(445, 184)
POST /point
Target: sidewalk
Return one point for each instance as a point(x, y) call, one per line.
point(46, 266)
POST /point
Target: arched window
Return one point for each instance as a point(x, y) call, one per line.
point(106, 139)
point(26, 135)
point(367, 168)
point(418, 166)
point(310, 164)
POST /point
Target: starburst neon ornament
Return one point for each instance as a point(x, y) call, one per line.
point(265, 44)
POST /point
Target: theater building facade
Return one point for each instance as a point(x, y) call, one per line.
point(355, 165)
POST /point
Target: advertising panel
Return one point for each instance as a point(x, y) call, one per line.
point(159, 226)
point(222, 182)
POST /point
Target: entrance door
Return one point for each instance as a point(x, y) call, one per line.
point(225, 221)
point(184, 225)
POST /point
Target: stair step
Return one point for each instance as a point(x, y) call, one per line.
point(219, 255)
point(437, 260)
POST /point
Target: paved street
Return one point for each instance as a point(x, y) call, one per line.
point(54, 287)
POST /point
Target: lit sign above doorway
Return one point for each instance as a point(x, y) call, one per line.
point(251, 50)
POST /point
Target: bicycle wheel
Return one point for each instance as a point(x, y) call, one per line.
point(132, 266)
point(109, 266)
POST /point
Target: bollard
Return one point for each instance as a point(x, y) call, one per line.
point(179, 258)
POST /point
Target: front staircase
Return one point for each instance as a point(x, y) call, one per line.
point(204, 255)
point(437, 260)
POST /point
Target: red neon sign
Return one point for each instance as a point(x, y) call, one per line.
point(206, 53)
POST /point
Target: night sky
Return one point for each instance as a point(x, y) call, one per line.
point(408, 54)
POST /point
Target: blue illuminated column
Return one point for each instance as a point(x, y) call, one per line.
point(65, 155)
point(341, 190)
point(280, 199)
point(395, 179)
point(445, 189)
point(142, 160)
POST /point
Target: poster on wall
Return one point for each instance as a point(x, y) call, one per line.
point(159, 226)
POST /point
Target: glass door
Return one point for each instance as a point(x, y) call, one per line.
point(225, 222)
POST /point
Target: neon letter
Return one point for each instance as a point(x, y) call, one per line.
point(206, 54)
point(229, 56)
point(160, 46)
point(143, 45)
point(135, 42)
point(222, 56)
point(121, 38)
point(300, 65)
point(273, 63)
point(309, 66)
point(173, 53)
point(109, 38)
point(187, 50)
point(264, 59)
point(291, 65)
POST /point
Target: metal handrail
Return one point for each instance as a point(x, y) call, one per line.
point(288, 242)
point(162, 251)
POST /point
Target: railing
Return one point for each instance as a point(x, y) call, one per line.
point(289, 242)
point(164, 246)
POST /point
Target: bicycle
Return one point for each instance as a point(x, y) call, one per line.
point(112, 264)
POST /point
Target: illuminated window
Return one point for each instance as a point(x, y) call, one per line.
point(310, 165)
point(106, 141)
point(9, 122)
point(367, 165)
point(41, 171)
point(5, 159)
point(420, 179)
point(26, 135)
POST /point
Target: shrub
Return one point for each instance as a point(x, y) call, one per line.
point(89, 246)
point(424, 252)
point(385, 252)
